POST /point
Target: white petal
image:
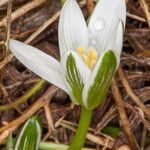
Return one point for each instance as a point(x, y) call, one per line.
point(116, 40)
point(119, 39)
point(73, 32)
point(104, 21)
point(40, 63)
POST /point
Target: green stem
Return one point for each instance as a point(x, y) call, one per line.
point(80, 137)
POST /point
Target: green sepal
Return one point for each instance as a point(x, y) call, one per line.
point(74, 80)
point(30, 135)
point(9, 143)
point(98, 90)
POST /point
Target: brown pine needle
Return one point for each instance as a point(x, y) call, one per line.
point(48, 117)
point(2, 2)
point(8, 27)
point(146, 10)
point(123, 117)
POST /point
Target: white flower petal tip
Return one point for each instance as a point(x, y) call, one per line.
point(72, 31)
point(103, 22)
point(95, 90)
point(40, 63)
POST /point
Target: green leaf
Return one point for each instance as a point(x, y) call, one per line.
point(30, 135)
point(111, 131)
point(101, 80)
point(9, 143)
point(74, 80)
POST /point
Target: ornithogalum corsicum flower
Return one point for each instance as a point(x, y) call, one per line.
point(90, 52)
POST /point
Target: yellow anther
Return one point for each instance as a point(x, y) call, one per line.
point(80, 50)
point(90, 58)
point(92, 54)
point(86, 60)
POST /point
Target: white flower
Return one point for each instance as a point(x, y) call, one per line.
point(89, 53)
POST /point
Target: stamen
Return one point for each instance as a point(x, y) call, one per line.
point(92, 54)
point(80, 51)
point(90, 58)
point(86, 60)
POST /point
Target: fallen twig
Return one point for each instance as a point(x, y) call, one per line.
point(2, 2)
point(8, 27)
point(146, 10)
point(123, 116)
point(135, 17)
point(48, 117)
point(22, 10)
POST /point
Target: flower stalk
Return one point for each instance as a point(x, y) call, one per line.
point(80, 136)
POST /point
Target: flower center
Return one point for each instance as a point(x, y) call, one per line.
point(89, 57)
